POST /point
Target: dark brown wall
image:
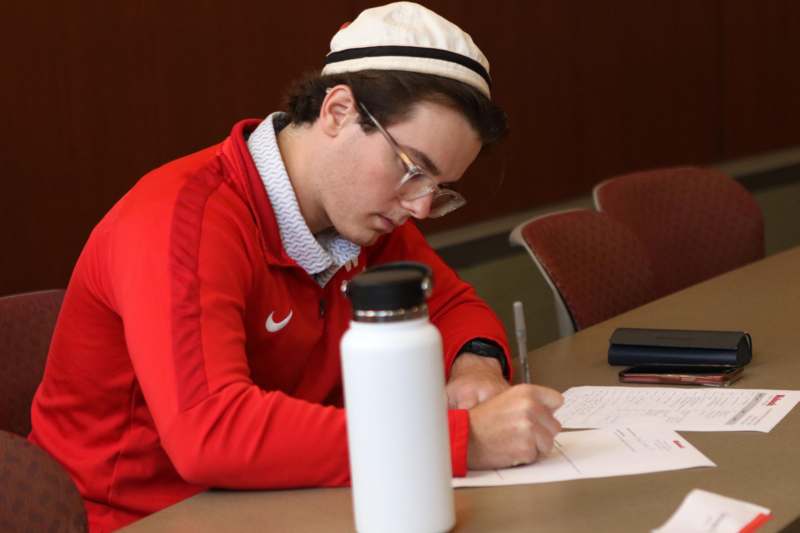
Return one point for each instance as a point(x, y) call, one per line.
point(94, 94)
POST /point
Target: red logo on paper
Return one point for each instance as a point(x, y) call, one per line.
point(775, 399)
point(678, 444)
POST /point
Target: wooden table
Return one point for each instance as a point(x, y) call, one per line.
point(762, 298)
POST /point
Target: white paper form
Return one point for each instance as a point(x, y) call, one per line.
point(706, 512)
point(598, 453)
point(676, 408)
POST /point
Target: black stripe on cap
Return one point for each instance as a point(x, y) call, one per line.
point(409, 51)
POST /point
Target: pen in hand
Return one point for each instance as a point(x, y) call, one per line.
point(522, 342)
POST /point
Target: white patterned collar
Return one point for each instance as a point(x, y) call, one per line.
point(321, 256)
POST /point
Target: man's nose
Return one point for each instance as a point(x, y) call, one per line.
point(419, 208)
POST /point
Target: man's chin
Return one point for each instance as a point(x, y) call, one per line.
point(367, 234)
point(366, 238)
point(369, 240)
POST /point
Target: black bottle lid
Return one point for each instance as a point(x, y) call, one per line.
point(390, 287)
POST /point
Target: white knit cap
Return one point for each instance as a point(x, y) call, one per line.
point(408, 36)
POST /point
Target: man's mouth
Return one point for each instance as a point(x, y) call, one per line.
point(387, 224)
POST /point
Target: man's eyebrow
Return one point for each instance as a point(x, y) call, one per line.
point(424, 160)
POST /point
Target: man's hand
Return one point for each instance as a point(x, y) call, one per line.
point(513, 428)
point(474, 379)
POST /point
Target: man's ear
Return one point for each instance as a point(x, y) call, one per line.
point(337, 110)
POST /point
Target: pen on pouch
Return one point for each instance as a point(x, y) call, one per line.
point(522, 342)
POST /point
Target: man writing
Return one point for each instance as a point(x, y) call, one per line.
point(197, 345)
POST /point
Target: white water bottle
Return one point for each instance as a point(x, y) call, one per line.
point(396, 404)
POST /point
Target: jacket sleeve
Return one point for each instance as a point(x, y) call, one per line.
point(455, 309)
point(181, 294)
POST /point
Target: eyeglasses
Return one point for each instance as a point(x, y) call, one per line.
point(416, 183)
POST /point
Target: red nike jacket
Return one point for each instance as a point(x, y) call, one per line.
point(163, 378)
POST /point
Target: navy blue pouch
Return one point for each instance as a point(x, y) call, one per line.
point(633, 346)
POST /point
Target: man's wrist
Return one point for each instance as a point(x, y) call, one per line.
point(486, 348)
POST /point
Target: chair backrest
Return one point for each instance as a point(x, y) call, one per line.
point(36, 493)
point(596, 267)
point(26, 326)
point(695, 222)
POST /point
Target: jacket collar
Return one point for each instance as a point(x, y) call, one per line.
point(242, 173)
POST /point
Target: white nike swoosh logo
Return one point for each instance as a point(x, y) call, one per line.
point(273, 326)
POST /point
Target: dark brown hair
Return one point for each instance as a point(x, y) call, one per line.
point(390, 96)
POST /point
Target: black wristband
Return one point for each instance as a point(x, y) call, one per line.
point(486, 348)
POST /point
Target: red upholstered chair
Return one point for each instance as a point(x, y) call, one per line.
point(695, 222)
point(595, 266)
point(26, 326)
point(36, 493)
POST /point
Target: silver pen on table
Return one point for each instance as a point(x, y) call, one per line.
point(522, 342)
